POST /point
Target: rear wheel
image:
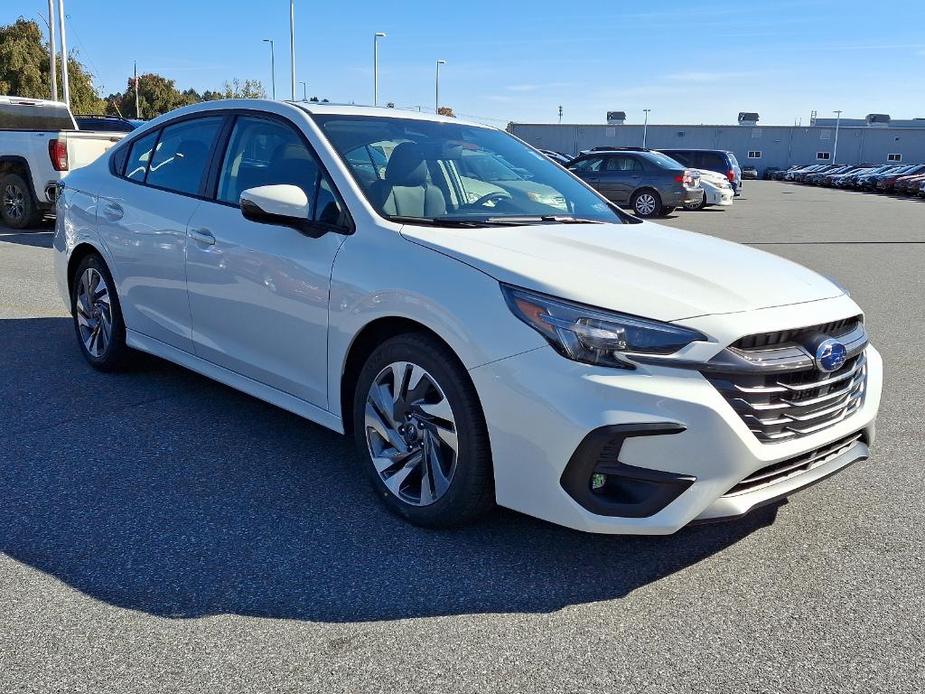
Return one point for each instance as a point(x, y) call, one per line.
point(647, 203)
point(17, 207)
point(421, 435)
point(696, 205)
point(98, 316)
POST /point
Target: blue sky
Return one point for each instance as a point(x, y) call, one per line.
point(690, 62)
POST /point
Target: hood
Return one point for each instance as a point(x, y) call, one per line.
point(644, 269)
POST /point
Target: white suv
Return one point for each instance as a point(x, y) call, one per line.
point(512, 339)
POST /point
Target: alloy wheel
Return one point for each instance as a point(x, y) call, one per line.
point(94, 312)
point(411, 433)
point(645, 204)
point(14, 201)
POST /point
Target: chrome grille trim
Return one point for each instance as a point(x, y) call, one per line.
point(783, 406)
point(792, 467)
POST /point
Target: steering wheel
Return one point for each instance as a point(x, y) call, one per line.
point(497, 196)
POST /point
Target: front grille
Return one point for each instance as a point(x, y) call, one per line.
point(785, 469)
point(781, 406)
point(780, 337)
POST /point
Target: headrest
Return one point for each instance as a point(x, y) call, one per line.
point(406, 166)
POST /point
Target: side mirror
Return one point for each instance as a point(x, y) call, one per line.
point(283, 205)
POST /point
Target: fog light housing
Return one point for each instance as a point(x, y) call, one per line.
point(599, 482)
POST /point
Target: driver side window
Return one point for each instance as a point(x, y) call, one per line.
point(264, 152)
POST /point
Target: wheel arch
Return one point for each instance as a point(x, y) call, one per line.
point(10, 163)
point(365, 342)
point(81, 251)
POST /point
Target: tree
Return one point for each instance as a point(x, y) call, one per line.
point(24, 68)
point(248, 89)
point(156, 95)
point(446, 111)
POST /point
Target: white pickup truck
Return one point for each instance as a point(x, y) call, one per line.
point(39, 145)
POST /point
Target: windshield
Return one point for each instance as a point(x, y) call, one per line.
point(457, 175)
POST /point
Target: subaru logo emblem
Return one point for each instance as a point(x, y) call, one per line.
point(830, 355)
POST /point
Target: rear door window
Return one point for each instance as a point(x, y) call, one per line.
point(140, 155)
point(182, 155)
point(714, 161)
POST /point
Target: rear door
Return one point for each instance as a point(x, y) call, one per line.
point(622, 175)
point(142, 218)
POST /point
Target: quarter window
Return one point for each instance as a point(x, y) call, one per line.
point(264, 152)
point(182, 155)
point(823, 156)
point(754, 154)
point(137, 165)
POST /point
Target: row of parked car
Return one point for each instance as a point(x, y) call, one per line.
point(654, 183)
point(898, 179)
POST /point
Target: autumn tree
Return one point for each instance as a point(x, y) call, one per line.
point(25, 67)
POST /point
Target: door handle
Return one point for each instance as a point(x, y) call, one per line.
point(202, 236)
point(113, 212)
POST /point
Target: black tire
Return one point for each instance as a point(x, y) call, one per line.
point(668, 210)
point(699, 206)
point(116, 354)
point(18, 209)
point(471, 487)
point(646, 212)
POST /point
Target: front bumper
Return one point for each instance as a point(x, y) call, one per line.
point(541, 407)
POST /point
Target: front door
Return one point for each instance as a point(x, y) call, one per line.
point(258, 293)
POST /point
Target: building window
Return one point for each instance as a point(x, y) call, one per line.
point(894, 157)
point(823, 156)
point(754, 154)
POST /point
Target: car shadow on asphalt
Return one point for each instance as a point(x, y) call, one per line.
point(161, 491)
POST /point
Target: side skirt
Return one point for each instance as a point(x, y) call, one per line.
point(234, 380)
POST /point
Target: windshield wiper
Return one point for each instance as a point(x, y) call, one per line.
point(546, 219)
point(440, 221)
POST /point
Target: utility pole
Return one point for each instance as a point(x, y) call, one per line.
point(52, 50)
point(272, 64)
point(65, 85)
point(437, 86)
point(560, 115)
point(837, 123)
point(137, 107)
point(645, 127)
point(292, 44)
point(378, 35)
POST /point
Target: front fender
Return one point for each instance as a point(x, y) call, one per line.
point(379, 274)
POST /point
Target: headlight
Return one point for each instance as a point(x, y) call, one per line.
point(595, 336)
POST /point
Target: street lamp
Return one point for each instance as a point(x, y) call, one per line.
point(835, 146)
point(292, 44)
point(304, 91)
point(378, 35)
point(272, 64)
point(437, 86)
point(645, 127)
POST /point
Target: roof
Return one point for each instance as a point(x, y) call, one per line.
point(375, 111)
point(30, 102)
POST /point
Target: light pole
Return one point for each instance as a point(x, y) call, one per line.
point(52, 49)
point(292, 45)
point(835, 146)
point(65, 84)
point(304, 91)
point(378, 35)
point(645, 127)
point(272, 64)
point(437, 86)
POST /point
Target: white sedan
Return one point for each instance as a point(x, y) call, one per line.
point(546, 352)
point(717, 190)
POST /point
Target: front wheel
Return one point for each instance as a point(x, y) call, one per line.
point(421, 434)
point(647, 203)
point(696, 205)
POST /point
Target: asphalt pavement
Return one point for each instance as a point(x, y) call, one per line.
point(162, 533)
